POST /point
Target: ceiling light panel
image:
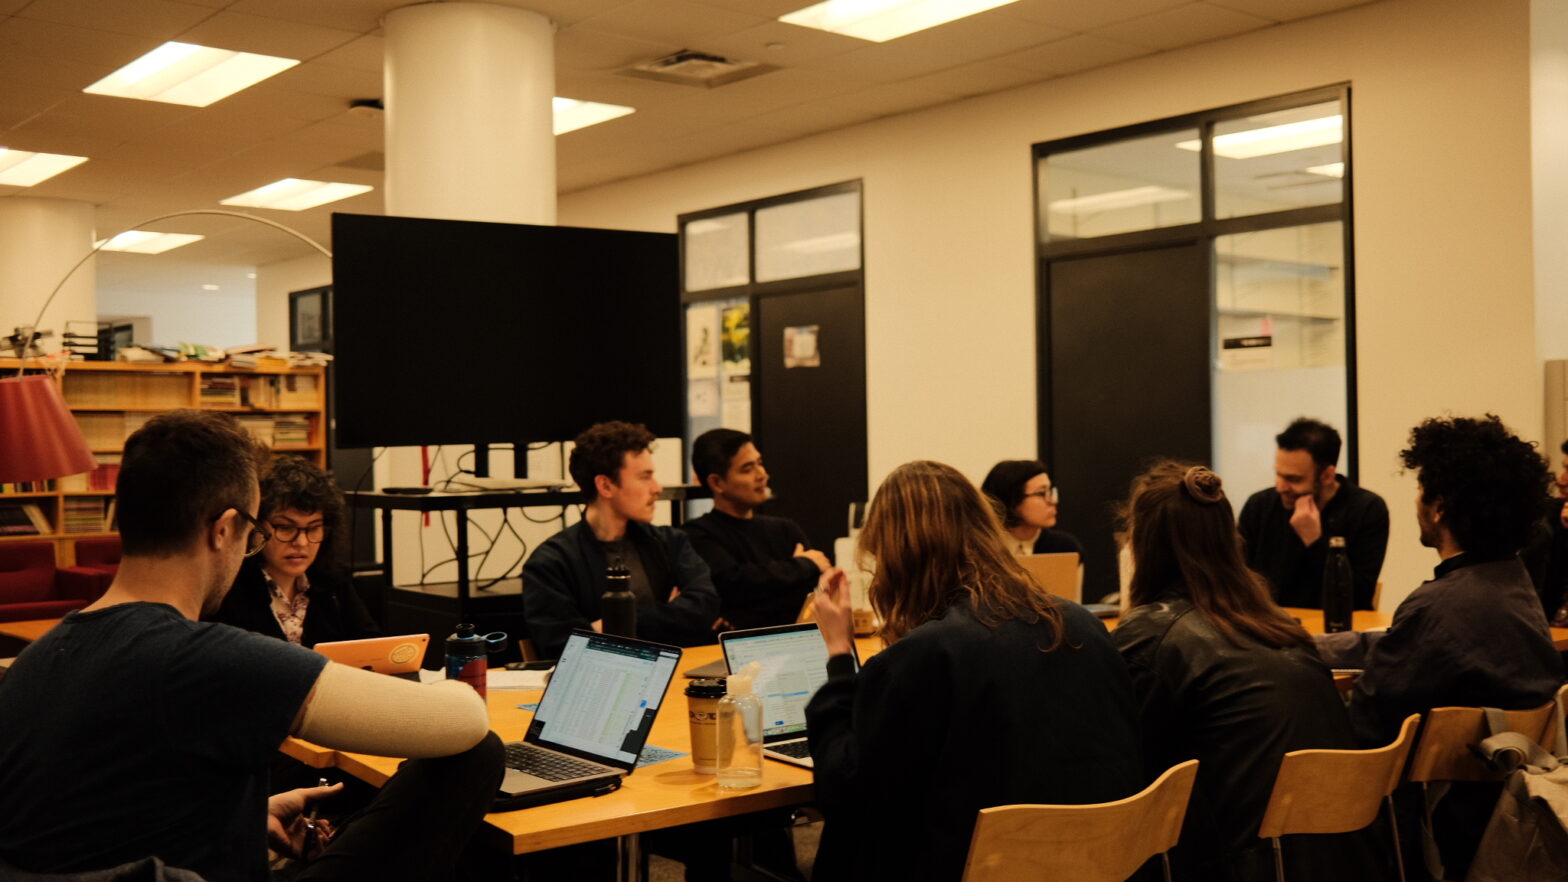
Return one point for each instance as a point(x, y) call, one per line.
point(1276, 139)
point(883, 20)
point(19, 168)
point(148, 242)
point(184, 73)
point(294, 194)
point(1332, 170)
point(571, 114)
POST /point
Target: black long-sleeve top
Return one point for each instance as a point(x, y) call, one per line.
point(1294, 570)
point(335, 611)
point(956, 717)
point(563, 581)
point(752, 560)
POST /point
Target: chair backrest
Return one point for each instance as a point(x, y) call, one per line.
point(1104, 842)
point(1057, 573)
point(1335, 791)
point(1443, 751)
point(26, 572)
point(103, 551)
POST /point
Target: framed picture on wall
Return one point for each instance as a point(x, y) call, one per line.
point(310, 320)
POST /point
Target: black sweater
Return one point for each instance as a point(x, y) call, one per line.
point(1294, 570)
point(956, 717)
point(335, 611)
point(759, 579)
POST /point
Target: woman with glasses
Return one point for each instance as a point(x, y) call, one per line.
point(1026, 499)
point(289, 591)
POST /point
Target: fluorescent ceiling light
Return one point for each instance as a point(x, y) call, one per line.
point(293, 194)
point(571, 114)
point(146, 242)
point(1119, 199)
point(1276, 139)
point(184, 73)
point(19, 168)
point(1332, 170)
point(883, 20)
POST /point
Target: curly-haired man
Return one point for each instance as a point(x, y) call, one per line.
point(565, 576)
point(1474, 635)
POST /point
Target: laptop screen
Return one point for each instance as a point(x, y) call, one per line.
point(794, 664)
point(603, 697)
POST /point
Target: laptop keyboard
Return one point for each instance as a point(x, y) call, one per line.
point(798, 749)
point(548, 764)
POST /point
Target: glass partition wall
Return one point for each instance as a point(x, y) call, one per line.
point(1263, 189)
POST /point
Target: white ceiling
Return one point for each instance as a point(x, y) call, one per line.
point(148, 158)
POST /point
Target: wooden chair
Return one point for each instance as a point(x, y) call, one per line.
point(1104, 842)
point(1443, 753)
point(1336, 791)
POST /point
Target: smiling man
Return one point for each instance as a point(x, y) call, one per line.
point(565, 576)
point(1287, 527)
point(762, 566)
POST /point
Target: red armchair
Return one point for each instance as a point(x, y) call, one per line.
point(97, 560)
point(30, 587)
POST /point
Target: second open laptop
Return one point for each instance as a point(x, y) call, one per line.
point(592, 722)
point(794, 665)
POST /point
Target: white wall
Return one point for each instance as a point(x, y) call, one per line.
point(1549, 156)
point(274, 282)
point(210, 318)
point(1445, 298)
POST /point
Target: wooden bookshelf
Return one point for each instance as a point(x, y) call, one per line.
point(285, 408)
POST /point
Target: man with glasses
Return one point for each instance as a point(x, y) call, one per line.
point(1287, 527)
point(290, 590)
point(133, 731)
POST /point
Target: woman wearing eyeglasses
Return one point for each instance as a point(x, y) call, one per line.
point(1026, 499)
point(288, 591)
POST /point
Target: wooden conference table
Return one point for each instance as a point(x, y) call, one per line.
point(664, 794)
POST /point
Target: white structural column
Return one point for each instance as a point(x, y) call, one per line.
point(40, 240)
point(1549, 176)
point(469, 132)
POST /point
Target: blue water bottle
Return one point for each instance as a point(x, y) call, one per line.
point(466, 658)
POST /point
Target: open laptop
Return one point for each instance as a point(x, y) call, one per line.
point(794, 664)
point(592, 722)
point(399, 655)
point(1056, 573)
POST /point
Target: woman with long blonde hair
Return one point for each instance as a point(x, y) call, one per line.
point(989, 692)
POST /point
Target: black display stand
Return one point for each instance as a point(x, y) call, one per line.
point(437, 608)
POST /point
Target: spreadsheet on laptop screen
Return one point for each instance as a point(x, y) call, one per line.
point(604, 696)
point(794, 665)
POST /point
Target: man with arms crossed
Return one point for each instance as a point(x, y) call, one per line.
point(565, 576)
point(762, 566)
point(1474, 635)
point(133, 730)
point(1287, 527)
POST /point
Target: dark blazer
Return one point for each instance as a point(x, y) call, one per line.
point(1237, 708)
point(1295, 571)
point(955, 717)
point(564, 579)
point(760, 581)
point(335, 611)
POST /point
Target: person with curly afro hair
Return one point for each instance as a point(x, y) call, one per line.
point(1474, 635)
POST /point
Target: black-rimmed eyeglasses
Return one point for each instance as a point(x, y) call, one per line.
point(1051, 495)
point(285, 533)
point(258, 538)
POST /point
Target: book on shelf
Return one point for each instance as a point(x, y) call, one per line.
point(262, 427)
point(219, 390)
point(22, 519)
point(27, 487)
point(86, 514)
point(297, 390)
point(291, 430)
point(102, 477)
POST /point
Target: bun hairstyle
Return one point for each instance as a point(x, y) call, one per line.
point(1184, 540)
point(1203, 485)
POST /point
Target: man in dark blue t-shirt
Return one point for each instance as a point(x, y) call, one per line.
point(133, 730)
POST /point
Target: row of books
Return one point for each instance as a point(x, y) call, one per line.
point(282, 430)
point(109, 430)
point(27, 487)
point(102, 477)
point(23, 519)
point(265, 391)
point(121, 389)
point(88, 515)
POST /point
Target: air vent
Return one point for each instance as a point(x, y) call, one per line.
point(689, 68)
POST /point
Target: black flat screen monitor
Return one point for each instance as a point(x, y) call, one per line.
point(460, 332)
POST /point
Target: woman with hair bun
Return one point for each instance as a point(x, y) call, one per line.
point(1225, 677)
point(990, 691)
